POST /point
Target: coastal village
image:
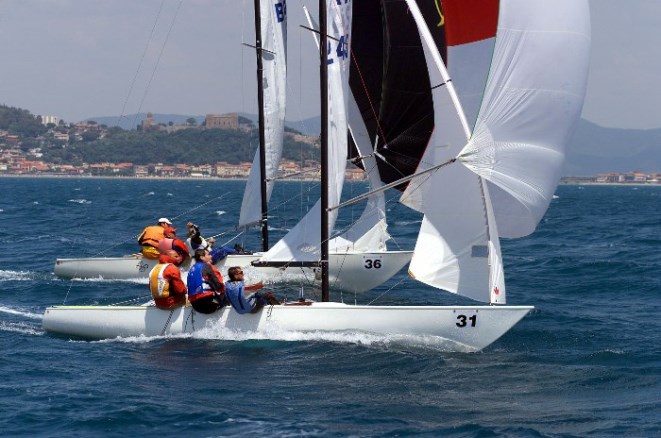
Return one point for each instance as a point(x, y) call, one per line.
point(15, 161)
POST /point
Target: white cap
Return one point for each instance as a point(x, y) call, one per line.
point(164, 219)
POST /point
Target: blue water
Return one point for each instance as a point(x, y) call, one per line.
point(586, 362)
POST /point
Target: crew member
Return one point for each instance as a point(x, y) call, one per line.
point(167, 287)
point(170, 242)
point(251, 303)
point(206, 290)
point(150, 237)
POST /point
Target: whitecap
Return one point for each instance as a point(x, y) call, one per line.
point(23, 328)
point(15, 275)
point(20, 312)
point(220, 212)
point(80, 201)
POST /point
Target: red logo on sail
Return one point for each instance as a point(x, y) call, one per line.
point(496, 290)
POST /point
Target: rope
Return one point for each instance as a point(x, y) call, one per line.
point(137, 72)
point(167, 322)
point(391, 288)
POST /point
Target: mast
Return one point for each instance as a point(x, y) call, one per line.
point(262, 134)
point(323, 86)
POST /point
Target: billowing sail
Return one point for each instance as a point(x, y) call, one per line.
point(390, 83)
point(369, 232)
point(302, 243)
point(274, 58)
point(505, 175)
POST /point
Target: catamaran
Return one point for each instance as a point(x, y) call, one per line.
point(506, 80)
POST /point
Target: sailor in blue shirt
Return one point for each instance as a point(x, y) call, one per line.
point(252, 303)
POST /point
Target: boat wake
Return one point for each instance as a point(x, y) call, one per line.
point(108, 280)
point(21, 327)
point(406, 343)
point(15, 275)
point(19, 312)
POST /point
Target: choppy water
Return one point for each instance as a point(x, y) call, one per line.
point(586, 362)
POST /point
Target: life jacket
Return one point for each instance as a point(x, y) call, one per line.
point(159, 286)
point(151, 236)
point(198, 286)
point(167, 244)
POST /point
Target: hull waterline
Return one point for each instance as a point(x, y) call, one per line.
point(471, 328)
point(352, 272)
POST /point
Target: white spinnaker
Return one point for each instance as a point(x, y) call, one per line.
point(455, 239)
point(517, 148)
point(274, 80)
point(302, 243)
point(535, 95)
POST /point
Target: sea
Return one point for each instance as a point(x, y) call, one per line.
point(585, 363)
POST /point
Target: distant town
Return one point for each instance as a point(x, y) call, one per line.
point(17, 160)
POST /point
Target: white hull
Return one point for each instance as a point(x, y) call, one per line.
point(469, 328)
point(352, 272)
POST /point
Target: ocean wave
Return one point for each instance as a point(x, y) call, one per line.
point(15, 275)
point(20, 312)
point(20, 327)
point(80, 201)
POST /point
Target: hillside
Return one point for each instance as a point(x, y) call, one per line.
point(594, 149)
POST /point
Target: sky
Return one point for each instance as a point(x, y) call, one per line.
point(78, 59)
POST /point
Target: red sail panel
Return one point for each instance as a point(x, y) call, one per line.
point(467, 21)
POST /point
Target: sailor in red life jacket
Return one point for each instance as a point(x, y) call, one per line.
point(150, 237)
point(206, 290)
point(170, 242)
point(167, 287)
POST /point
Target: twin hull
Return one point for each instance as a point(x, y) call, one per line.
point(350, 272)
point(465, 328)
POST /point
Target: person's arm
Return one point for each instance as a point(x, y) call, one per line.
point(214, 282)
point(177, 285)
point(255, 286)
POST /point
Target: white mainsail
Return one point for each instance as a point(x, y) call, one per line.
point(370, 232)
point(302, 243)
point(274, 77)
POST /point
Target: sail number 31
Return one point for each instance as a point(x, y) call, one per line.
point(463, 321)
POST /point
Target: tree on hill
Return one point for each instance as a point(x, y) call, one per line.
point(190, 146)
point(20, 122)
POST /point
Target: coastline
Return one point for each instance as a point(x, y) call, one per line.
point(197, 178)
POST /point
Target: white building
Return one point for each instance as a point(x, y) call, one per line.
point(45, 120)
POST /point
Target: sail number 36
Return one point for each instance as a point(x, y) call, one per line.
point(466, 321)
point(372, 264)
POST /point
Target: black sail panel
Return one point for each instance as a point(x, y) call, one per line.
point(390, 82)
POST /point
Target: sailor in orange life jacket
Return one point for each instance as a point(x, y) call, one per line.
point(167, 287)
point(170, 242)
point(150, 237)
point(206, 290)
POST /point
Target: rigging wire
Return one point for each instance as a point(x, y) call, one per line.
point(158, 60)
point(142, 58)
